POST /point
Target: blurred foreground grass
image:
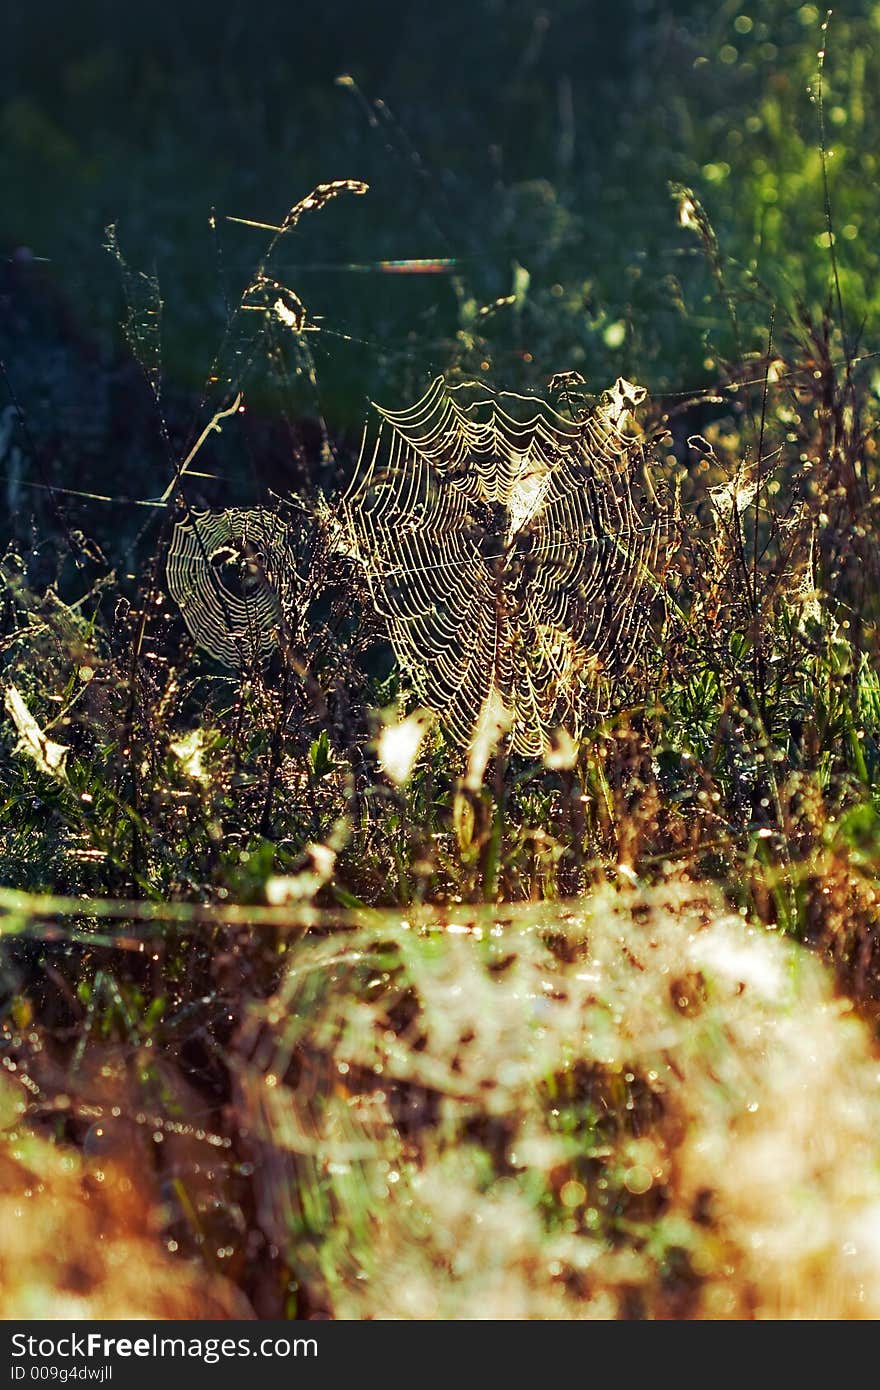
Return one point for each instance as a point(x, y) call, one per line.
point(633, 1106)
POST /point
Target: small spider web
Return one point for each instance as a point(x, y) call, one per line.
point(511, 551)
point(233, 574)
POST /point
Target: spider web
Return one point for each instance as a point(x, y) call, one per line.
point(233, 574)
point(511, 551)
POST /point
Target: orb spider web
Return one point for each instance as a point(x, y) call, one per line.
point(511, 551)
point(233, 575)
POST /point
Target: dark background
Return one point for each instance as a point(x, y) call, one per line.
point(508, 137)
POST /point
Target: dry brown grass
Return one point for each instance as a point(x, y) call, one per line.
point(81, 1240)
